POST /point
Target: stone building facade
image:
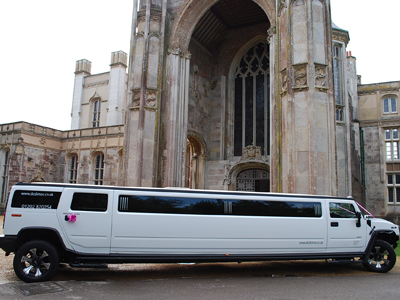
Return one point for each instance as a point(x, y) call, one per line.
point(255, 95)
point(380, 122)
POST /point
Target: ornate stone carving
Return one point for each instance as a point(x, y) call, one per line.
point(174, 51)
point(271, 31)
point(300, 77)
point(151, 99)
point(340, 36)
point(251, 153)
point(135, 99)
point(154, 34)
point(321, 78)
point(155, 15)
point(251, 158)
point(139, 34)
point(281, 6)
point(227, 179)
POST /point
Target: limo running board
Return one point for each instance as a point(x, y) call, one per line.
point(344, 261)
point(88, 265)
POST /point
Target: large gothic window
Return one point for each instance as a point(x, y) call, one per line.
point(251, 126)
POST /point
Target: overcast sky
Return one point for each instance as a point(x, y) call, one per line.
point(40, 40)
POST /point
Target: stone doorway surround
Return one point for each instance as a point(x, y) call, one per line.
point(251, 159)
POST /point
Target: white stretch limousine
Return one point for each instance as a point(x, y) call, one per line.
point(90, 226)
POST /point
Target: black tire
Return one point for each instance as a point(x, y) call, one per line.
point(381, 259)
point(36, 261)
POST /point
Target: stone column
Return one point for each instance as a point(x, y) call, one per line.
point(176, 118)
point(82, 69)
point(303, 104)
point(144, 94)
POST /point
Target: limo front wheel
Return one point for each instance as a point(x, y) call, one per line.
point(36, 261)
point(382, 257)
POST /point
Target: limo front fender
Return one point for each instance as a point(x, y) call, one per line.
point(387, 235)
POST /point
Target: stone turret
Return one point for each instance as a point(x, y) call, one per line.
point(82, 69)
point(117, 88)
point(83, 66)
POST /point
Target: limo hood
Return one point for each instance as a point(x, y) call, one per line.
point(381, 224)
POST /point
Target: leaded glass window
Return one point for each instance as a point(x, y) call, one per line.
point(96, 113)
point(393, 186)
point(392, 144)
point(339, 113)
point(252, 112)
point(337, 74)
point(73, 169)
point(99, 169)
point(389, 105)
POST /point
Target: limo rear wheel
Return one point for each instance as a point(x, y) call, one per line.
point(382, 257)
point(36, 261)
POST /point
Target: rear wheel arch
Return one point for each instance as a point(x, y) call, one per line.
point(44, 234)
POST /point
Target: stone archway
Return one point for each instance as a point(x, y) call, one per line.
point(250, 173)
point(196, 155)
point(194, 10)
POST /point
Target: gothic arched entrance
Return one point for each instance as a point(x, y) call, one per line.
point(255, 180)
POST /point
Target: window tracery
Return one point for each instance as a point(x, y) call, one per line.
point(251, 125)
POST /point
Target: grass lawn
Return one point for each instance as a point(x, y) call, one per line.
point(397, 250)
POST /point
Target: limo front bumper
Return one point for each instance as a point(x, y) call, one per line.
point(7, 243)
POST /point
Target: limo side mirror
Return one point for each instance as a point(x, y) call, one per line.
point(358, 215)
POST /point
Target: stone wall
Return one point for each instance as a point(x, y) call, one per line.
point(375, 185)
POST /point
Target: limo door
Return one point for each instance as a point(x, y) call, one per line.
point(343, 233)
point(85, 215)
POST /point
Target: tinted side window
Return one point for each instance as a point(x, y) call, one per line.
point(89, 202)
point(276, 208)
point(170, 205)
point(177, 205)
point(342, 210)
point(36, 199)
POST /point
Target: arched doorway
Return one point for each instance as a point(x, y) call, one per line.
point(255, 180)
point(195, 161)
